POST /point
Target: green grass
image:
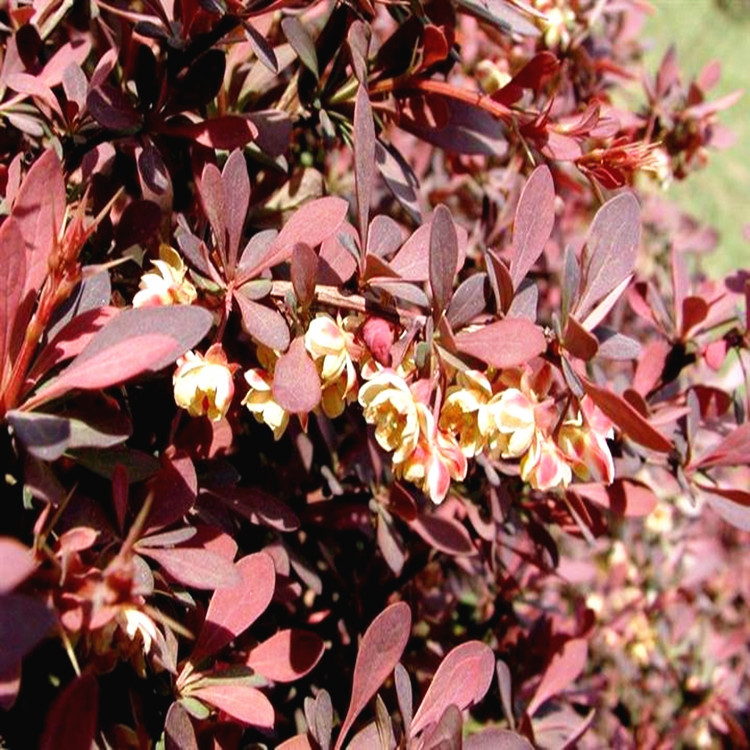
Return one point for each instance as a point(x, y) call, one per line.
point(720, 193)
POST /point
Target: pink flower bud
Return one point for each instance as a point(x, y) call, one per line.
point(378, 335)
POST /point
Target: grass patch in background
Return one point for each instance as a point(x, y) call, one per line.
point(719, 194)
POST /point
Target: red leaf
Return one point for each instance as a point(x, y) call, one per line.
point(112, 109)
point(194, 567)
point(242, 702)
point(535, 217)
point(412, 261)
point(610, 251)
point(263, 323)
point(18, 564)
point(178, 730)
point(23, 623)
point(462, 679)
point(624, 497)
point(286, 656)
point(562, 670)
point(135, 341)
point(732, 505)
point(505, 343)
point(72, 339)
point(445, 534)
point(296, 385)
point(233, 610)
point(227, 132)
point(364, 159)
point(304, 272)
point(258, 507)
point(733, 450)
point(72, 720)
point(12, 279)
point(175, 488)
point(443, 258)
point(214, 202)
point(311, 224)
point(379, 651)
point(578, 341)
point(298, 742)
point(496, 739)
point(468, 301)
point(237, 190)
point(636, 427)
point(39, 208)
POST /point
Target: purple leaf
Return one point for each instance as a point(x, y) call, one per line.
point(503, 15)
point(535, 217)
point(264, 324)
point(213, 200)
point(18, 564)
point(175, 488)
point(244, 703)
point(12, 279)
point(226, 132)
point(412, 262)
point(445, 534)
point(379, 652)
point(364, 159)
point(562, 670)
point(93, 292)
point(610, 250)
point(231, 611)
point(384, 236)
point(311, 224)
point(296, 384)
point(286, 656)
point(443, 258)
point(497, 739)
point(462, 679)
point(178, 730)
point(237, 198)
point(112, 109)
point(400, 178)
point(304, 272)
point(336, 265)
point(298, 36)
point(23, 623)
point(135, 341)
point(193, 567)
point(733, 450)
point(468, 301)
point(447, 733)
point(505, 343)
point(404, 696)
point(635, 426)
point(258, 507)
point(73, 716)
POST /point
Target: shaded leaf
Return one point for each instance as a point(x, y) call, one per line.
point(447, 733)
point(258, 507)
point(73, 716)
point(296, 384)
point(733, 450)
point(443, 258)
point(175, 488)
point(532, 227)
point(242, 702)
point(404, 696)
point(286, 656)
point(112, 109)
point(626, 498)
point(613, 345)
point(302, 43)
point(304, 272)
point(445, 534)
point(733, 505)
point(635, 426)
point(505, 343)
point(12, 280)
point(236, 183)
point(497, 739)
point(462, 679)
point(232, 610)
point(565, 666)
point(379, 651)
point(578, 341)
point(178, 730)
point(23, 623)
point(264, 324)
point(503, 15)
point(400, 178)
point(198, 568)
point(500, 281)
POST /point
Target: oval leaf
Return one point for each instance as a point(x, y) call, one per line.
point(242, 702)
point(233, 610)
point(535, 217)
point(264, 324)
point(73, 716)
point(443, 258)
point(379, 652)
point(198, 568)
point(462, 679)
point(562, 670)
point(505, 343)
point(18, 563)
point(296, 385)
point(286, 656)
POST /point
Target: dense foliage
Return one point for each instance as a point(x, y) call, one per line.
point(359, 387)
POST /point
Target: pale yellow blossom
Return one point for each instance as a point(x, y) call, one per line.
point(261, 404)
point(166, 285)
point(460, 411)
point(544, 466)
point(203, 384)
point(389, 404)
point(507, 423)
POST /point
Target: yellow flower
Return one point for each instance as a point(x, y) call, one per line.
point(328, 343)
point(203, 384)
point(507, 423)
point(167, 285)
point(260, 402)
point(460, 412)
point(389, 404)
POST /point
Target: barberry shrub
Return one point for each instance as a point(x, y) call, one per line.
point(349, 351)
